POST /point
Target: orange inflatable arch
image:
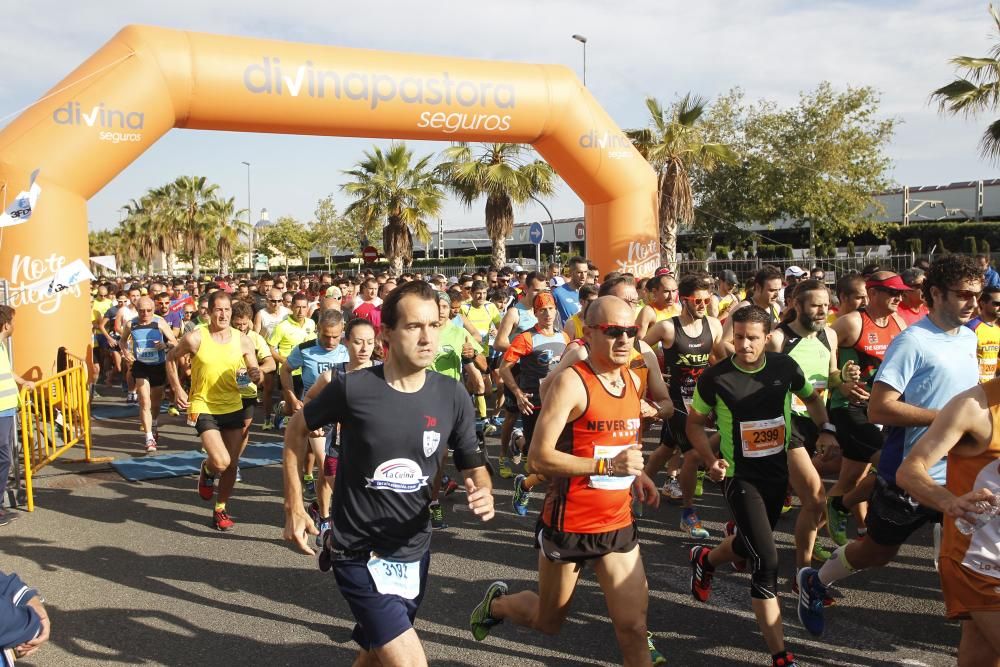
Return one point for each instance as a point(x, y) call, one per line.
point(147, 80)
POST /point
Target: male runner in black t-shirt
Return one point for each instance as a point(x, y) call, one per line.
point(379, 545)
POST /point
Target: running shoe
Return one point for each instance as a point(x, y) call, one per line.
point(309, 490)
point(173, 411)
point(787, 506)
point(151, 445)
point(437, 517)
point(239, 475)
point(480, 620)
point(691, 524)
point(936, 531)
point(503, 467)
point(497, 421)
point(828, 600)
point(654, 655)
point(448, 485)
point(672, 489)
point(819, 553)
point(811, 594)
point(323, 527)
point(267, 426)
point(740, 565)
point(521, 496)
point(786, 659)
point(701, 573)
point(221, 520)
point(313, 512)
point(488, 427)
point(206, 483)
point(699, 483)
point(514, 446)
point(836, 523)
point(279, 415)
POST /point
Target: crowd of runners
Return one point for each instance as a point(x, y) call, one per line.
point(547, 383)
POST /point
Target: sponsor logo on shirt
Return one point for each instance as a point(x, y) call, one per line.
point(431, 441)
point(399, 475)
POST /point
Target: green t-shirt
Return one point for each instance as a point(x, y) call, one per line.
point(449, 357)
point(812, 353)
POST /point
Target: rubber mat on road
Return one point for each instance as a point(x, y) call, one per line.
point(117, 410)
point(161, 466)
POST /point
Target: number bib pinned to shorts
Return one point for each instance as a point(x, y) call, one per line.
point(763, 437)
point(609, 482)
point(394, 577)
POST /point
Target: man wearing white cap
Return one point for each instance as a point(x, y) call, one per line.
point(793, 275)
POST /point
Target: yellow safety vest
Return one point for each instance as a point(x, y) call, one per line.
point(8, 388)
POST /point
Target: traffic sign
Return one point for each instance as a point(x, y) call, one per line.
point(369, 254)
point(535, 233)
point(580, 230)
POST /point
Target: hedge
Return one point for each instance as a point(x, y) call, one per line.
point(954, 236)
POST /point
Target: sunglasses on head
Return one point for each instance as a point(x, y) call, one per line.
point(695, 301)
point(616, 330)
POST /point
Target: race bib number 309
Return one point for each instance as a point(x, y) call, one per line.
point(764, 437)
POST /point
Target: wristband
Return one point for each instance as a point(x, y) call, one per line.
point(827, 427)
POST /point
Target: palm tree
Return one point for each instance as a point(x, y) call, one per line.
point(191, 200)
point(506, 175)
point(389, 186)
point(228, 228)
point(674, 142)
point(977, 91)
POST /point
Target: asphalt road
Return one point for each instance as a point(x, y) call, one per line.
point(134, 574)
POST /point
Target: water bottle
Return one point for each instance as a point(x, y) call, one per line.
point(987, 510)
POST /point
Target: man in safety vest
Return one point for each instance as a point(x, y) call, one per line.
point(10, 385)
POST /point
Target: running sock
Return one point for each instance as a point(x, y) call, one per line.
point(838, 504)
point(149, 436)
point(481, 406)
point(220, 507)
point(836, 568)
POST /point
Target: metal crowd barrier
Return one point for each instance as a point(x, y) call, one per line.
point(55, 416)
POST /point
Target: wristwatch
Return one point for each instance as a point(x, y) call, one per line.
point(827, 427)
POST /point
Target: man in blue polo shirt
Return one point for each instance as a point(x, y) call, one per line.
point(314, 357)
point(567, 295)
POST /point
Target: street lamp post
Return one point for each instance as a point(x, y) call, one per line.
point(551, 222)
point(583, 40)
point(250, 223)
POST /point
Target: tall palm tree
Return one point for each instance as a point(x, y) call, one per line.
point(977, 91)
point(673, 143)
point(191, 199)
point(228, 228)
point(506, 175)
point(390, 186)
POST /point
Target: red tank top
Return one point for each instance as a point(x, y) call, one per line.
point(872, 344)
point(573, 504)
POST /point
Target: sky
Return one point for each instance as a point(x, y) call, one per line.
point(635, 48)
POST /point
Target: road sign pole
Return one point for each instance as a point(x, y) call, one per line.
point(538, 256)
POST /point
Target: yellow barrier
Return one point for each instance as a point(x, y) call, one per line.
point(55, 416)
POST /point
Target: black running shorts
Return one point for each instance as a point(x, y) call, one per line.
point(227, 422)
point(156, 374)
point(893, 515)
point(562, 547)
point(859, 439)
point(673, 433)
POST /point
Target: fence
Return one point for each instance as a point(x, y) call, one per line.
point(55, 416)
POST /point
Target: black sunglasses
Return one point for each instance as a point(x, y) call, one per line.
point(616, 330)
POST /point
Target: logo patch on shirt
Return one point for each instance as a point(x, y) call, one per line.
point(872, 337)
point(399, 475)
point(431, 441)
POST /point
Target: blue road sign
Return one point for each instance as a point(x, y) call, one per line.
point(535, 233)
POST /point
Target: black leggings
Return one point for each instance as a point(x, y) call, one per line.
point(755, 507)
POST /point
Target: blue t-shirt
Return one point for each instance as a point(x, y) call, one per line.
point(314, 360)
point(928, 367)
point(567, 301)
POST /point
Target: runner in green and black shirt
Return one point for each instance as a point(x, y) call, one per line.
point(750, 394)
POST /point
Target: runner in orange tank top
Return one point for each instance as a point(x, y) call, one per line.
point(967, 431)
point(586, 444)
